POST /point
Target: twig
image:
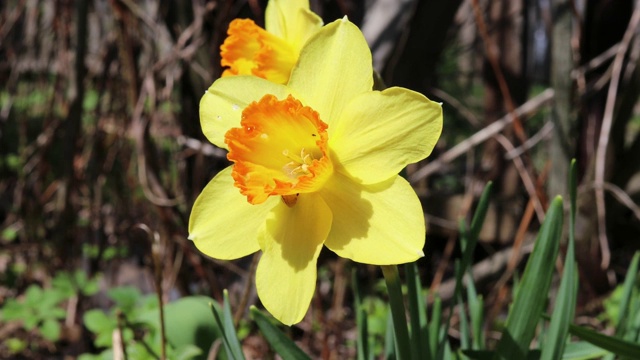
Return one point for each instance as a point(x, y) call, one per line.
point(462, 110)
point(138, 126)
point(119, 347)
point(524, 175)
point(533, 141)
point(596, 61)
point(605, 131)
point(481, 136)
point(622, 196)
point(201, 147)
point(492, 56)
point(247, 289)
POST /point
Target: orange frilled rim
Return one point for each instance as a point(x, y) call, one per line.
point(280, 149)
point(251, 50)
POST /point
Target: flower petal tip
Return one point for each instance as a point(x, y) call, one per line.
point(345, 19)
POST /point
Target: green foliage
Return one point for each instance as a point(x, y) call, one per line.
point(189, 334)
point(16, 345)
point(41, 309)
point(282, 345)
point(224, 320)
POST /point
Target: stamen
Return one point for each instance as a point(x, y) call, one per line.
point(274, 153)
point(299, 165)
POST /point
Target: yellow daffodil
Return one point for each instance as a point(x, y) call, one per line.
point(315, 162)
point(269, 53)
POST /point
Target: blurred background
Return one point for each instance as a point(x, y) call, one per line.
point(102, 156)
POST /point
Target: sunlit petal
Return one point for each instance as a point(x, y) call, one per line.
point(291, 20)
point(223, 224)
point(377, 224)
point(291, 241)
point(379, 133)
point(221, 106)
point(334, 67)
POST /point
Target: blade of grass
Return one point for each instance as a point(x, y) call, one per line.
point(229, 328)
point(622, 348)
point(280, 343)
point(225, 340)
point(389, 340)
point(564, 309)
point(475, 313)
point(532, 295)
point(394, 288)
point(629, 284)
point(434, 327)
point(362, 343)
point(582, 350)
point(417, 313)
point(465, 335)
point(468, 241)
point(464, 323)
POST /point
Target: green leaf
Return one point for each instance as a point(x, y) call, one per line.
point(622, 348)
point(55, 313)
point(389, 342)
point(101, 325)
point(97, 321)
point(532, 295)
point(230, 329)
point(33, 295)
point(476, 306)
point(30, 320)
point(629, 284)
point(582, 350)
point(15, 345)
point(564, 309)
point(398, 313)
point(125, 298)
point(9, 234)
point(188, 322)
point(280, 343)
point(13, 310)
point(188, 352)
point(435, 326)
point(50, 330)
point(362, 342)
point(417, 313)
point(63, 283)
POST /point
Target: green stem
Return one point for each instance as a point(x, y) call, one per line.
point(392, 279)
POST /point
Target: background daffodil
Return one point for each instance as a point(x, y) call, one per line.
point(316, 162)
point(269, 53)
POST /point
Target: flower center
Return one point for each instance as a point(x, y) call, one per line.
point(251, 50)
point(280, 148)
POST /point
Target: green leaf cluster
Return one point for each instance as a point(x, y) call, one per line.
point(135, 317)
point(41, 308)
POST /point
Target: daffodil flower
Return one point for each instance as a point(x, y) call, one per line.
point(269, 53)
point(315, 162)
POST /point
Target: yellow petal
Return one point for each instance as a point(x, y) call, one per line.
point(291, 241)
point(333, 68)
point(291, 20)
point(223, 224)
point(379, 133)
point(377, 224)
point(221, 106)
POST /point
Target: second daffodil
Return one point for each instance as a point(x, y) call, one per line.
point(269, 53)
point(315, 162)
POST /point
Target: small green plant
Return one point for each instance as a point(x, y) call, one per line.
point(41, 309)
point(135, 318)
